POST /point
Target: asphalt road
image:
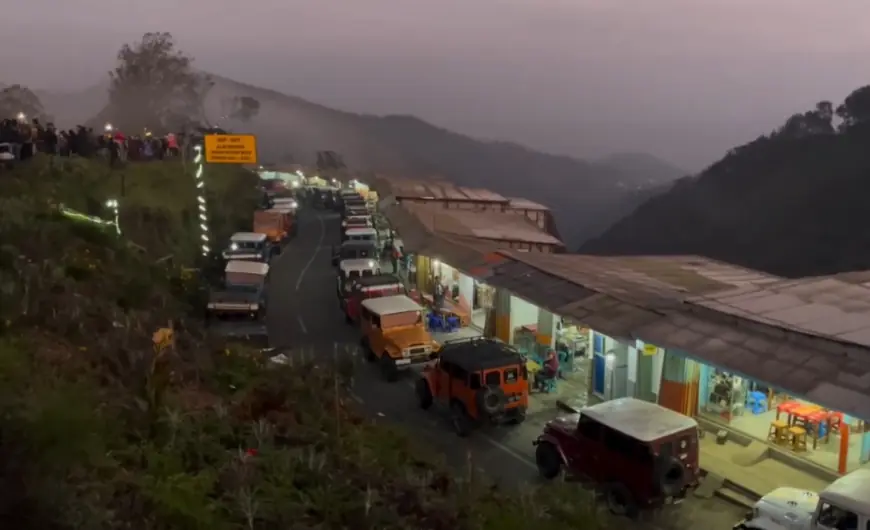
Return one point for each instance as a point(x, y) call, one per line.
point(304, 316)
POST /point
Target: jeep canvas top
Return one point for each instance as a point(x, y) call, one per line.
point(350, 269)
point(391, 305)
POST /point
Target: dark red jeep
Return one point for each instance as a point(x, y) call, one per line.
point(637, 454)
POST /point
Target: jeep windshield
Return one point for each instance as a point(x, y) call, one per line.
point(357, 252)
point(245, 246)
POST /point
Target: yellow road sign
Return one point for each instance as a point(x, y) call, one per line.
point(231, 149)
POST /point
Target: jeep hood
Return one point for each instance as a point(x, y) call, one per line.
point(406, 337)
point(566, 424)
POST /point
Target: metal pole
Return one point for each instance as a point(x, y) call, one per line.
point(200, 198)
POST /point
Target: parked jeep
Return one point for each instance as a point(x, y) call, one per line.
point(482, 382)
point(638, 454)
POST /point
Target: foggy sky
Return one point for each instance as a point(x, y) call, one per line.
point(681, 79)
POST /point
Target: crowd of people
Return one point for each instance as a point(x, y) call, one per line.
point(20, 139)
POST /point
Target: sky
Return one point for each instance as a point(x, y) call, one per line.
point(684, 80)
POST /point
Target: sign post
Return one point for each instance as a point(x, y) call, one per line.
point(219, 149)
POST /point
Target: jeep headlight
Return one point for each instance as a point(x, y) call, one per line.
point(234, 246)
point(371, 264)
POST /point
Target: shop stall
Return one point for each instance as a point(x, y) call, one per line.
point(795, 425)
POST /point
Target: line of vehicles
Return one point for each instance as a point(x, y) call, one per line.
point(237, 306)
point(638, 453)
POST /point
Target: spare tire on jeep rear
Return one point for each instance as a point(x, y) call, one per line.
point(670, 475)
point(491, 400)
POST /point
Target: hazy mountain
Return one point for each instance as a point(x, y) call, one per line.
point(788, 203)
point(643, 169)
point(586, 197)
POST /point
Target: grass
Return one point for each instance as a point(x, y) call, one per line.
point(102, 428)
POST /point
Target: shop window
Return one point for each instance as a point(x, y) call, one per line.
point(837, 518)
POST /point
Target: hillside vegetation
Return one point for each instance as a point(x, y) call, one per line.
point(110, 421)
point(788, 203)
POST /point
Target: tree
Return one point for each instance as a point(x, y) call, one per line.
point(855, 110)
point(155, 86)
point(814, 122)
point(243, 108)
point(15, 99)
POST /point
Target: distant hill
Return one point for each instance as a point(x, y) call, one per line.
point(643, 168)
point(789, 203)
point(586, 197)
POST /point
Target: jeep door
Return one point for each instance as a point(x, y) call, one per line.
point(584, 450)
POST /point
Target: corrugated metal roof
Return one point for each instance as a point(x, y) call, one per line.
point(580, 303)
point(654, 281)
point(839, 379)
point(434, 189)
point(825, 307)
point(502, 226)
point(525, 204)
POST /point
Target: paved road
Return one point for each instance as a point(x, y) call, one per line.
point(304, 316)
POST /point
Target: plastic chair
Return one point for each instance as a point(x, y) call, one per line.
point(547, 386)
point(435, 322)
point(756, 402)
point(452, 324)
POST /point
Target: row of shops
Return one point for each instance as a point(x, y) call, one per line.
point(596, 366)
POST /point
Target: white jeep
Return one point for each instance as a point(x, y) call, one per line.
point(844, 505)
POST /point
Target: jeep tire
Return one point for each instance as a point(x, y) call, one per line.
point(460, 419)
point(388, 368)
point(619, 500)
point(549, 460)
point(424, 394)
point(367, 350)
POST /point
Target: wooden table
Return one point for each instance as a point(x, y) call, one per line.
point(449, 308)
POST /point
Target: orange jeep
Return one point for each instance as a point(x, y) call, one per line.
point(394, 334)
point(482, 381)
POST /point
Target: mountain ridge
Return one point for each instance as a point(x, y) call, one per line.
point(787, 203)
point(585, 196)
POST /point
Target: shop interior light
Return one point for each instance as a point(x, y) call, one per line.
point(200, 198)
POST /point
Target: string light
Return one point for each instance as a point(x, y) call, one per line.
point(200, 198)
point(113, 204)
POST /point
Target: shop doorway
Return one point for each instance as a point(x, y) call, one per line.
point(482, 302)
point(610, 368)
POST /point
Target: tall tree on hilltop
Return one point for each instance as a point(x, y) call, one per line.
point(241, 108)
point(855, 110)
point(155, 86)
point(15, 99)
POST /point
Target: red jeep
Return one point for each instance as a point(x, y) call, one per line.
point(637, 454)
point(369, 287)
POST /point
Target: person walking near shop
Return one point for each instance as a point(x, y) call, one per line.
point(411, 266)
point(438, 294)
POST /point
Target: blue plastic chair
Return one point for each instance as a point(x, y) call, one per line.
point(547, 386)
point(756, 402)
point(452, 324)
point(435, 322)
